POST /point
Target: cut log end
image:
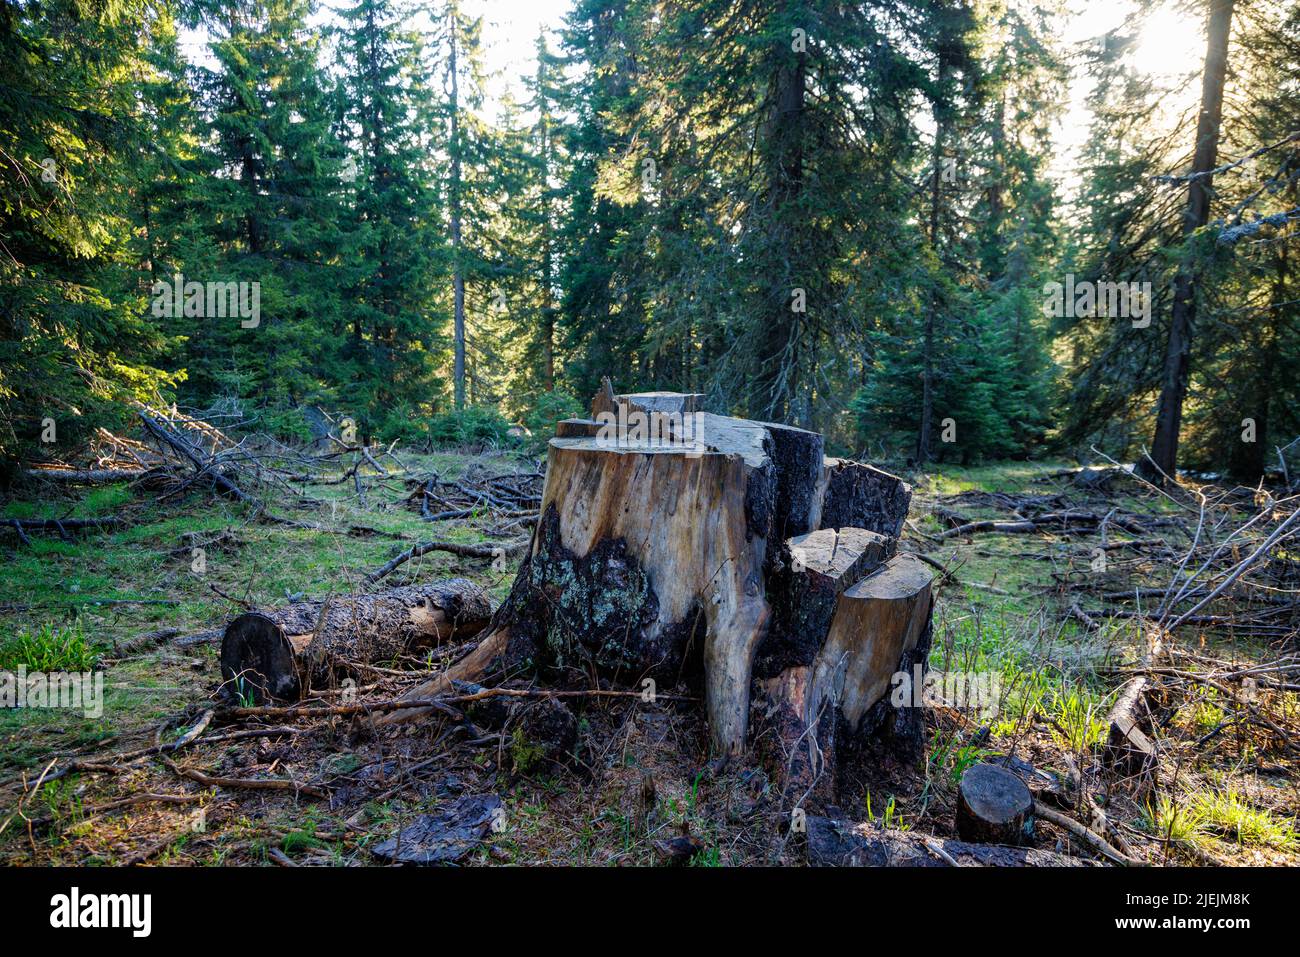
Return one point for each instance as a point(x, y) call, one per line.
point(278, 655)
point(993, 806)
point(258, 661)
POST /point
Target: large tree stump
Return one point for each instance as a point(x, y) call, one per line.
point(279, 655)
point(700, 548)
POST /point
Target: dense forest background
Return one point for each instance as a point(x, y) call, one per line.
point(842, 215)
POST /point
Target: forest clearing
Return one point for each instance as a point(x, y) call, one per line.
point(1046, 578)
point(446, 442)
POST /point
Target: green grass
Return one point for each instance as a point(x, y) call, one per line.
point(946, 479)
point(1223, 813)
point(1180, 824)
point(48, 648)
point(890, 817)
point(1227, 812)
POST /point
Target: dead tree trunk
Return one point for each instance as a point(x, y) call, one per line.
point(701, 551)
point(834, 843)
point(279, 655)
point(1178, 347)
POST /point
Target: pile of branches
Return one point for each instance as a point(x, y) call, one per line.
point(1235, 573)
point(175, 453)
point(1231, 549)
point(508, 497)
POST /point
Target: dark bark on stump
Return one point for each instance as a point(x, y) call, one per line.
point(862, 496)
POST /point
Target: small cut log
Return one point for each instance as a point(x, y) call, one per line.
point(993, 806)
point(279, 655)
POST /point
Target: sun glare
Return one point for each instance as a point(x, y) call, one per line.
point(1172, 43)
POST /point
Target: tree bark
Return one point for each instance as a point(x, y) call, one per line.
point(783, 144)
point(454, 203)
point(1178, 348)
point(280, 655)
point(833, 843)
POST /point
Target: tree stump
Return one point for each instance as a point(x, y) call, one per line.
point(862, 496)
point(700, 549)
point(278, 655)
point(840, 696)
point(993, 805)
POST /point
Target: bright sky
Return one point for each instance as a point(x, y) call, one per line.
point(509, 32)
point(1170, 49)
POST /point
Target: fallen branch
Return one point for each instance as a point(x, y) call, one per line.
point(85, 476)
point(454, 548)
point(441, 702)
point(256, 784)
point(1086, 834)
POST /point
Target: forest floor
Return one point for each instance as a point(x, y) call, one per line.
point(1227, 788)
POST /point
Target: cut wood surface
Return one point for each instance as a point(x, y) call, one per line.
point(993, 806)
point(668, 403)
point(280, 654)
point(876, 621)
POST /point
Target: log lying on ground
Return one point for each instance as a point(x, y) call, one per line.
point(993, 806)
point(1069, 520)
point(280, 655)
point(833, 843)
point(85, 476)
point(672, 554)
point(61, 525)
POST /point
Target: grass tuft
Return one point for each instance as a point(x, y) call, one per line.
point(48, 648)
